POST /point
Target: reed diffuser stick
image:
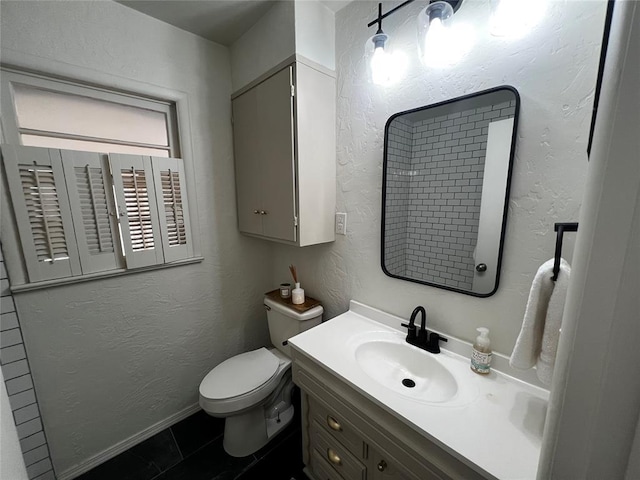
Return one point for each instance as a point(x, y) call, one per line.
point(294, 274)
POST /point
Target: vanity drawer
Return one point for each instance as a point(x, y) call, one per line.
point(321, 468)
point(336, 425)
point(335, 454)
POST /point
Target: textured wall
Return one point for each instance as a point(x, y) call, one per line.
point(554, 68)
point(270, 41)
point(112, 357)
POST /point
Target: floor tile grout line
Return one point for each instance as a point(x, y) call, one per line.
point(173, 436)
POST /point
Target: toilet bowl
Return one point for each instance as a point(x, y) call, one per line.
point(252, 390)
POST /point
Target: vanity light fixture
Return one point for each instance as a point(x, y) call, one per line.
point(438, 45)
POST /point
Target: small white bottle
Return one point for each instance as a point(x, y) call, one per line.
point(481, 354)
point(297, 294)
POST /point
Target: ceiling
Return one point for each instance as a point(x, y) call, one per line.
point(221, 21)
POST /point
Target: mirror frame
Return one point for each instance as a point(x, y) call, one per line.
point(507, 192)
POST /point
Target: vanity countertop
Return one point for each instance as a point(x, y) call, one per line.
point(496, 428)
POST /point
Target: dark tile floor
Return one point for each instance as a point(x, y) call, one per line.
point(192, 450)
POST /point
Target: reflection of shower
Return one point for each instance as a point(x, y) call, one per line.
point(496, 168)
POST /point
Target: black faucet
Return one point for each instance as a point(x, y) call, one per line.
point(422, 338)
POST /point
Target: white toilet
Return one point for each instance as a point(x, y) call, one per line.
point(253, 390)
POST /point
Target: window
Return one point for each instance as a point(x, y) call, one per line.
point(94, 186)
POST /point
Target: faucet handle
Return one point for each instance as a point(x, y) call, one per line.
point(433, 345)
point(411, 332)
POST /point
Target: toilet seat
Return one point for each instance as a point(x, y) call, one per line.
point(241, 381)
point(239, 375)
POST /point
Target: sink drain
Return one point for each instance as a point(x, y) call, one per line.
point(407, 382)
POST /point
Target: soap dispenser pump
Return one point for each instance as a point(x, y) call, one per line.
point(481, 354)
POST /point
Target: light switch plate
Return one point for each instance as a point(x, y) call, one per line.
point(341, 223)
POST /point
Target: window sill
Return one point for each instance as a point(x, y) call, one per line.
point(27, 287)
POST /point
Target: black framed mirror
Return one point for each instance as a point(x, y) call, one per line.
point(445, 190)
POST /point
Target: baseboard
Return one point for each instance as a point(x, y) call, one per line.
point(126, 444)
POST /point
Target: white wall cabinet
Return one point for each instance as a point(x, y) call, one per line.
point(346, 436)
point(285, 150)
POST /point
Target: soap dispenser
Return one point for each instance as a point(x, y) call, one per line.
point(481, 354)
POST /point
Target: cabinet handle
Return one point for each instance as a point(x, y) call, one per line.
point(333, 424)
point(256, 212)
point(382, 466)
point(262, 212)
point(333, 457)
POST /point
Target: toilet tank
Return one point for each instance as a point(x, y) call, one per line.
point(286, 322)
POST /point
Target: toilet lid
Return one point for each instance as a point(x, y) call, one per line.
point(240, 374)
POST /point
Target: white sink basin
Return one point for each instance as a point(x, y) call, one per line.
point(406, 370)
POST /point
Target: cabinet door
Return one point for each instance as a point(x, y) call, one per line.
point(247, 153)
point(275, 111)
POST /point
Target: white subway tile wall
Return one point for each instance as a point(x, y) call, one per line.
point(435, 169)
point(399, 144)
point(19, 384)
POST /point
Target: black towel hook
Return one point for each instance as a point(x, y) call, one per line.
point(560, 228)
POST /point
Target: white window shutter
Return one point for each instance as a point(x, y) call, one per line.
point(173, 208)
point(138, 209)
point(93, 209)
point(42, 211)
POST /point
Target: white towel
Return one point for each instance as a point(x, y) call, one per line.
point(538, 340)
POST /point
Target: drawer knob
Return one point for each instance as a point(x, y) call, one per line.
point(382, 466)
point(333, 424)
point(333, 457)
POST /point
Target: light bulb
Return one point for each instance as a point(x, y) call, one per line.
point(380, 66)
point(442, 43)
point(445, 46)
point(386, 67)
point(515, 18)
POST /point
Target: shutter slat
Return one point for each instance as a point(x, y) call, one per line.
point(137, 207)
point(172, 199)
point(92, 197)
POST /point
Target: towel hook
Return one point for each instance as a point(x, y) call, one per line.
point(560, 228)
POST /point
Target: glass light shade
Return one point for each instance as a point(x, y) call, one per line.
point(441, 42)
point(386, 67)
point(515, 18)
point(432, 22)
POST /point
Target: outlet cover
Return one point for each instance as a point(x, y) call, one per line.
point(341, 223)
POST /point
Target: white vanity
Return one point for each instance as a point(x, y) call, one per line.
point(375, 407)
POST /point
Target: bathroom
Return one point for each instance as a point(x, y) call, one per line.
point(112, 358)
